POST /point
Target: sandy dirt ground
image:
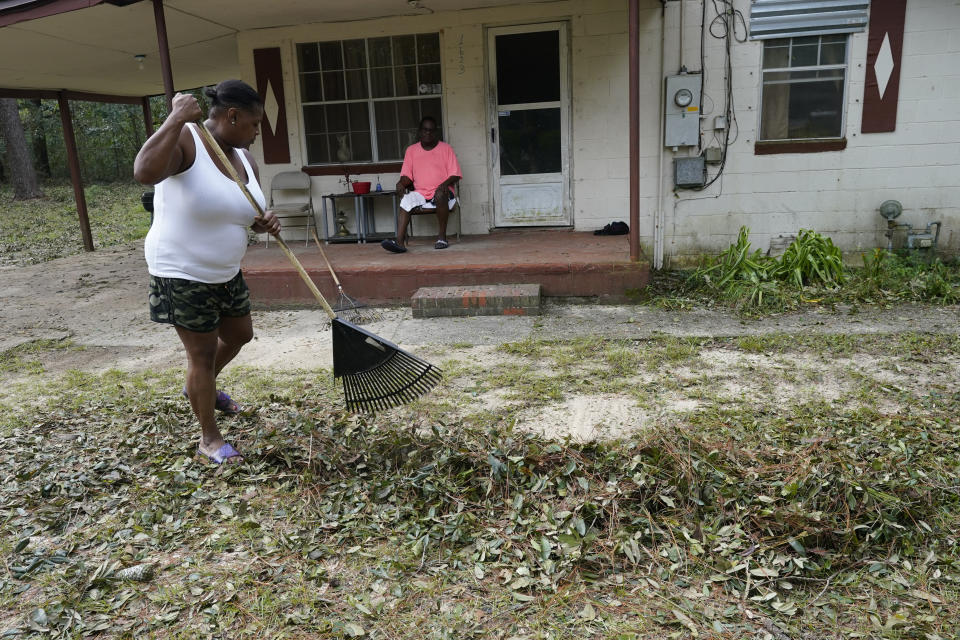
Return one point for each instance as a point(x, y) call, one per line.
point(98, 300)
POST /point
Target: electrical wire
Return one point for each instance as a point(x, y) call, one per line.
point(724, 27)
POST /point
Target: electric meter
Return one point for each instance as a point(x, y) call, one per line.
point(683, 97)
point(682, 110)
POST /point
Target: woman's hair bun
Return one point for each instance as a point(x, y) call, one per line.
point(233, 93)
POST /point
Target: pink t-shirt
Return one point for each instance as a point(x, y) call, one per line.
point(428, 169)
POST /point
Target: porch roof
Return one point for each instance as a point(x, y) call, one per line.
point(90, 45)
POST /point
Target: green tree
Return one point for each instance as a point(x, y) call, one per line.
point(19, 162)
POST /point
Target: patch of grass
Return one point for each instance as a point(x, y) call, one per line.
point(528, 347)
point(46, 228)
point(663, 350)
point(22, 357)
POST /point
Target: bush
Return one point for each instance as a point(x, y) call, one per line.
point(755, 280)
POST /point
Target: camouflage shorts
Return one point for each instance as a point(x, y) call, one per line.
point(197, 306)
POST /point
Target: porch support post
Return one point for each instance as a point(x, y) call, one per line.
point(164, 51)
point(147, 115)
point(74, 161)
point(634, 19)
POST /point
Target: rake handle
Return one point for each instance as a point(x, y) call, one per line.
point(336, 280)
point(256, 206)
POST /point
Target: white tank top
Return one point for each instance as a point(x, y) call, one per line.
point(200, 221)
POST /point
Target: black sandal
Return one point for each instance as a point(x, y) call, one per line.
point(392, 246)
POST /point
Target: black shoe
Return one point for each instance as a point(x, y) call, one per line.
point(392, 246)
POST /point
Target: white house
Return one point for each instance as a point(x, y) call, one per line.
point(779, 115)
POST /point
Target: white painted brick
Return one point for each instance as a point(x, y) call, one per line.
point(929, 66)
point(926, 42)
point(605, 23)
point(937, 110)
point(931, 18)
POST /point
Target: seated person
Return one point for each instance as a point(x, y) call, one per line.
point(430, 169)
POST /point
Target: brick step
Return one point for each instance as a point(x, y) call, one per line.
point(477, 300)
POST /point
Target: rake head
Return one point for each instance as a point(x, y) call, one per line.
point(353, 311)
point(376, 373)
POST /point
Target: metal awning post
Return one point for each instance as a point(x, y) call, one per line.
point(147, 115)
point(634, 70)
point(165, 68)
point(73, 160)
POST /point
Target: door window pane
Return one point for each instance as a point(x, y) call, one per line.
point(528, 67)
point(530, 142)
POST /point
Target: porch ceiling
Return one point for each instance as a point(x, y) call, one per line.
point(92, 49)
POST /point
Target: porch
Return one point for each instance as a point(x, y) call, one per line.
point(564, 263)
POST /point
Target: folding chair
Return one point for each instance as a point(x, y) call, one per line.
point(295, 208)
point(416, 211)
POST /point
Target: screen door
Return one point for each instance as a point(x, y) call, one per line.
point(529, 159)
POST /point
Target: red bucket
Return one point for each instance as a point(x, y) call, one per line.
point(361, 187)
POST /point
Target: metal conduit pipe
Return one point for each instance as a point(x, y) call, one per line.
point(658, 214)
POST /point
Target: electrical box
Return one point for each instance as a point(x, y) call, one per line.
point(682, 109)
point(689, 172)
point(713, 155)
point(719, 123)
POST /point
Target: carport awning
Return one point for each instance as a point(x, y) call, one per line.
point(90, 45)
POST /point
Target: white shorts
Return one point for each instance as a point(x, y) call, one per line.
point(415, 199)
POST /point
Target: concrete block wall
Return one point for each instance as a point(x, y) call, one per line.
point(836, 193)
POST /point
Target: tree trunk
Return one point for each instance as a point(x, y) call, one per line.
point(23, 177)
point(40, 141)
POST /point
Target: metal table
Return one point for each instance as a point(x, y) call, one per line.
point(364, 209)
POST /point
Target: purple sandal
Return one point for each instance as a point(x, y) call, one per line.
point(224, 403)
point(223, 454)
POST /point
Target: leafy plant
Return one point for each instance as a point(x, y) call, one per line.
point(755, 280)
point(811, 260)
